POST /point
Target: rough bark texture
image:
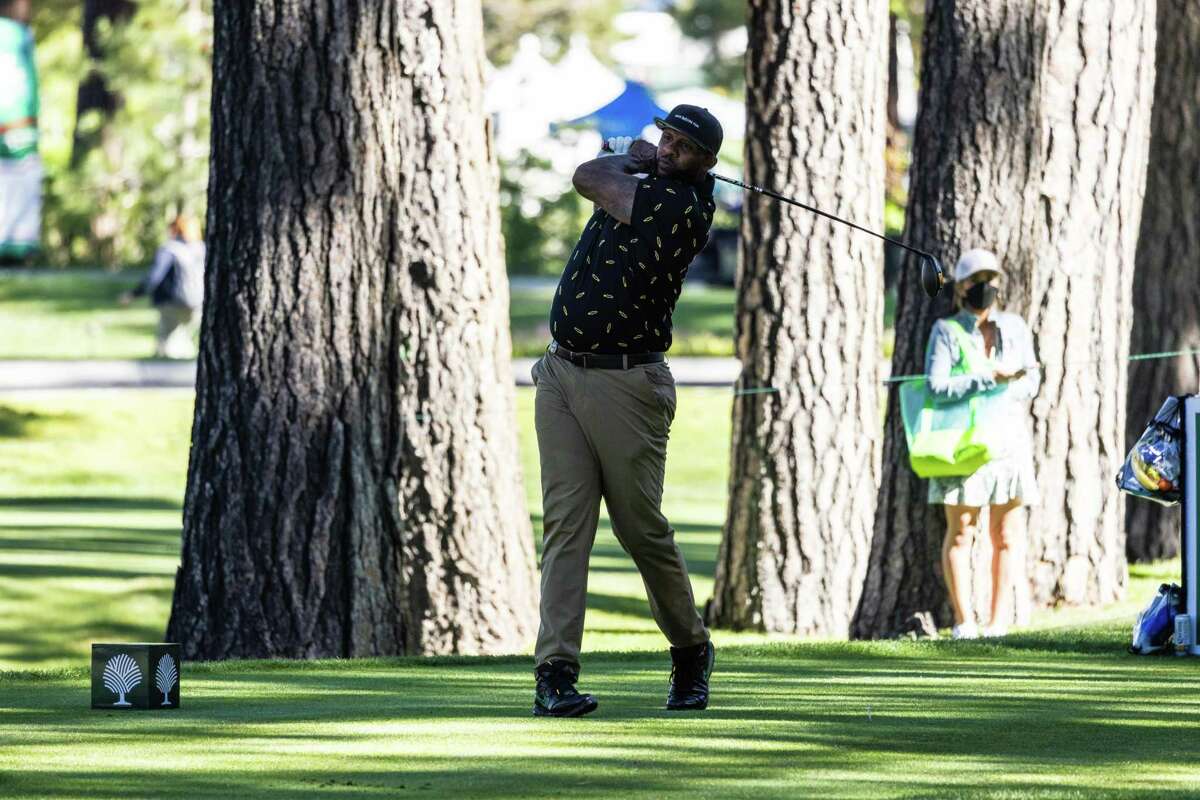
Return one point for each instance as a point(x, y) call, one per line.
point(976, 151)
point(1166, 284)
point(805, 463)
point(1099, 85)
point(353, 487)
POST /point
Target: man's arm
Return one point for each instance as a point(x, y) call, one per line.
point(609, 183)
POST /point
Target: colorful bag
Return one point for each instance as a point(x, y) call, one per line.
point(950, 439)
point(1155, 626)
point(1152, 468)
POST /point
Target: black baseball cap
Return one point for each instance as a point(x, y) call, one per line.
point(697, 124)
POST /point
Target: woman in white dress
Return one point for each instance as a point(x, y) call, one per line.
point(1002, 341)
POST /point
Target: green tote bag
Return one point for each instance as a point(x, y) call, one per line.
point(949, 439)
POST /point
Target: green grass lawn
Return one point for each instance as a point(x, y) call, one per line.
point(73, 314)
point(90, 488)
point(69, 314)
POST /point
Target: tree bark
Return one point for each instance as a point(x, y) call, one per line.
point(1043, 161)
point(976, 151)
point(1097, 96)
point(805, 462)
point(1166, 285)
point(353, 487)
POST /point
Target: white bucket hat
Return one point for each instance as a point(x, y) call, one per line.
point(974, 261)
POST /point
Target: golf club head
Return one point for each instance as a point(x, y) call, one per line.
point(933, 277)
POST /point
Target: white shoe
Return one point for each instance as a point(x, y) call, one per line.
point(994, 631)
point(965, 630)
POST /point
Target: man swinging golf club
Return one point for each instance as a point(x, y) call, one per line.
point(606, 400)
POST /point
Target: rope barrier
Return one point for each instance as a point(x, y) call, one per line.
point(906, 378)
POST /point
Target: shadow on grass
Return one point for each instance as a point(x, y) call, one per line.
point(33, 648)
point(1098, 641)
point(69, 291)
point(618, 604)
point(701, 556)
point(15, 424)
point(86, 503)
point(92, 580)
point(559, 775)
point(39, 571)
point(87, 539)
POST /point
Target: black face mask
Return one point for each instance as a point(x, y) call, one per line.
point(981, 296)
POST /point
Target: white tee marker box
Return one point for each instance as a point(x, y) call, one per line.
point(136, 675)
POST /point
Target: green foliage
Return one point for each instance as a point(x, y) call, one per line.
point(111, 208)
point(708, 20)
point(54, 16)
point(540, 227)
point(504, 22)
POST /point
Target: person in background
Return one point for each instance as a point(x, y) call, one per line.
point(20, 165)
point(176, 288)
point(1006, 483)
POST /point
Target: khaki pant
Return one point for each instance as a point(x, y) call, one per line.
point(603, 433)
point(174, 336)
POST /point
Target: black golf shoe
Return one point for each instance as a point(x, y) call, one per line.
point(556, 695)
point(690, 669)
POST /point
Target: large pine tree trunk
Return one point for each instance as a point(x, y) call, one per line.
point(805, 462)
point(1166, 285)
point(976, 162)
point(1099, 85)
point(353, 487)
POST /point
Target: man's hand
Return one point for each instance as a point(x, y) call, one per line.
point(644, 156)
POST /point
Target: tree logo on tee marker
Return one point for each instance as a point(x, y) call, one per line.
point(121, 675)
point(165, 677)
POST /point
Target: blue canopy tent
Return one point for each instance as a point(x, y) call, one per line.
point(633, 110)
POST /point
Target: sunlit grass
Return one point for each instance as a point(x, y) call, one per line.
point(90, 492)
point(890, 719)
point(74, 314)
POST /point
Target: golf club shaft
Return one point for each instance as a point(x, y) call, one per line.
point(778, 196)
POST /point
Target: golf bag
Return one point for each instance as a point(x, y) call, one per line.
point(1155, 626)
point(1151, 470)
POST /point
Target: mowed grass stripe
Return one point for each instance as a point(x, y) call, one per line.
point(1057, 711)
point(880, 720)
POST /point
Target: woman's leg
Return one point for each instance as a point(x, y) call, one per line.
point(1008, 542)
point(961, 524)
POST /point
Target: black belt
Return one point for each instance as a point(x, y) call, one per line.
point(602, 361)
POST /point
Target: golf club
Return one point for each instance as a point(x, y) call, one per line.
point(933, 277)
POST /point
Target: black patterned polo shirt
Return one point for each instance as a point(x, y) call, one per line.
point(620, 285)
